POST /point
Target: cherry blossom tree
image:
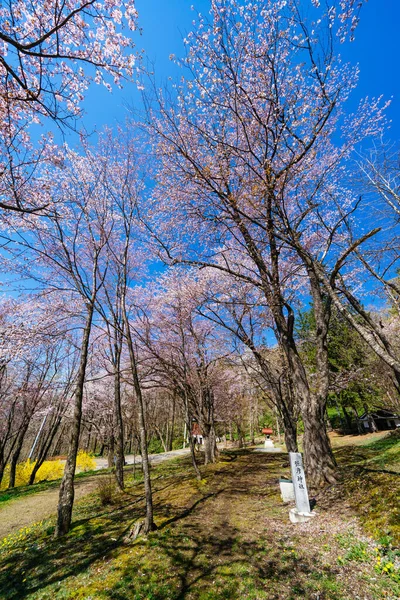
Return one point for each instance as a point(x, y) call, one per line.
point(240, 309)
point(249, 156)
point(69, 251)
point(49, 54)
point(186, 349)
point(33, 350)
point(126, 256)
point(366, 264)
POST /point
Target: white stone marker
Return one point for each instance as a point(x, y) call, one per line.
point(268, 442)
point(302, 511)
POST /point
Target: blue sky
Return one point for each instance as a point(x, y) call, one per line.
point(165, 22)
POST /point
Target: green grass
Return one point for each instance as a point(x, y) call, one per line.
point(27, 490)
point(42, 486)
point(371, 483)
point(222, 538)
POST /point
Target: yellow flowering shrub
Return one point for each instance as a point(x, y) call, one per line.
point(85, 461)
point(49, 470)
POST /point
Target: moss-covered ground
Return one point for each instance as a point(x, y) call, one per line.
point(227, 536)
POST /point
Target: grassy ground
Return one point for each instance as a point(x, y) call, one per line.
point(226, 537)
point(371, 481)
point(28, 490)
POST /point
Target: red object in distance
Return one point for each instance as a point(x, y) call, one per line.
point(267, 431)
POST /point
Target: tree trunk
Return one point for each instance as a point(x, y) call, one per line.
point(372, 425)
point(188, 432)
point(149, 521)
point(206, 422)
point(66, 497)
point(16, 454)
point(58, 444)
point(251, 424)
point(118, 423)
point(2, 468)
point(4, 457)
point(319, 463)
point(160, 435)
point(348, 420)
point(210, 445)
point(43, 452)
point(193, 457)
point(360, 428)
point(289, 423)
point(193, 453)
point(290, 432)
point(318, 459)
point(241, 439)
point(171, 430)
point(110, 451)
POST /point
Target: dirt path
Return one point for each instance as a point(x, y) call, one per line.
point(25, 511)
point(16, 514)
point(239, 539)
point(155, 459)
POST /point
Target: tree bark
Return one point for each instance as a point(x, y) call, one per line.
point(149, 521)
point(209, 437)
point(67, 492)
point(206, 421)
point(4, 455)
point(348, 420)
point(118, 428)
point(188, 432)
point(170, 438)
point(16, 454)
point(210, 446)
point(44, 450)
point(290, 432)
point(318, 459)
point(285, 406)
point(2, 468)
point(111, 450)
point(193, 455)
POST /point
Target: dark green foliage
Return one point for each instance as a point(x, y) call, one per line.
point(155, 446)
point(353, 366)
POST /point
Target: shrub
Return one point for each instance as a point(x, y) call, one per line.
point(106, 489)
point(85, 461)
point(49, 470)
point(155, 446)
